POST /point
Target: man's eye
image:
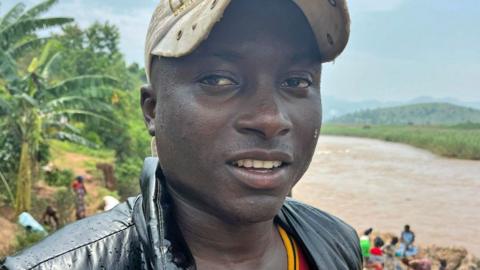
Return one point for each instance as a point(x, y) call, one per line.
point(215, 80)
point(297, 83)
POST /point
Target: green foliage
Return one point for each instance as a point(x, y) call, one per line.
point(12, 34)
point(450, 141)
point(95, 50)
point(64, 87)
point(417, 114)
point(127, 174)
point(59, 178)
point(64, 203)
point(38, 102)
point(6, 186)
point(102, 192)
point(66, 146)
point(9, 152)
point(25, 239)
point(17, 23)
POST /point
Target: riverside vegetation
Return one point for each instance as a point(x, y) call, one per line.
point(444, 129)
point(459, 141)
point(68, 100)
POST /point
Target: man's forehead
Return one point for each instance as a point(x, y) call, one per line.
point(228, 55)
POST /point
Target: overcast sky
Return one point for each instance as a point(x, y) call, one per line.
point(398, 50)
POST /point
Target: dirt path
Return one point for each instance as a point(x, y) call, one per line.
point(371, 183)
point(7, 236)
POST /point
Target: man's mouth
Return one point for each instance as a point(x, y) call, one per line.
point(258, 164)
point(261, 170)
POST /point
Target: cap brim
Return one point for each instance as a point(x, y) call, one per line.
point(180, 34)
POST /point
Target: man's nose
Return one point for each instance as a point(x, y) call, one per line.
point(264, 118)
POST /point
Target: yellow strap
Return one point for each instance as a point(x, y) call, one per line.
point(291, 248)
point(297, 256)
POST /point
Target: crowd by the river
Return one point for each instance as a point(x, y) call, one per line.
point(398, 254)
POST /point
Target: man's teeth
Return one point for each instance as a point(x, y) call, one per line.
point(258, 164)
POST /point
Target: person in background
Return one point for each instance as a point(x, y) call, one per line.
point(365, 245)
point(50, 218)
point(443, 264)
point(408, 237)
point(80, 192)
point(418, 264)
point(376, 252)
point(389, 253)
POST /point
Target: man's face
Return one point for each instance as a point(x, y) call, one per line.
point(236, 121)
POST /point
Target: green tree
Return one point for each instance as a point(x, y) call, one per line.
point(95, 50)
point(17, 38)
point(38, 107)
point(18, 26)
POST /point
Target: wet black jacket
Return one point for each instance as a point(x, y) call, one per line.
point(140, 234)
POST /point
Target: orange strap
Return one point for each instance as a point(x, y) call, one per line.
point(291, 248)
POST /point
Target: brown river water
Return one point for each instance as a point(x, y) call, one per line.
point(371, 183)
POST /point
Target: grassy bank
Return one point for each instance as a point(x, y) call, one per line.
point(460, 141)
point(75, 157)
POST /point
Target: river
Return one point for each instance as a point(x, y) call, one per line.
point(371, 183)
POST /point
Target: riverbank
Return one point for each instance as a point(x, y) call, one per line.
point(371, 183)
point(460, 141)
point(457, 258)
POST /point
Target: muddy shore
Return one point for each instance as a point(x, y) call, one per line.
point(371, 183)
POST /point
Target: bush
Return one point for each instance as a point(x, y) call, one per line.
point(59, 178)
point(127, 174)
point(65, 205)
point(25, 239)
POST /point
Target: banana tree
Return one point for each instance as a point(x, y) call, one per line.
point(37, 106)
point(18, 26)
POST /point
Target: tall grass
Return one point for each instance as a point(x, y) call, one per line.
point(460, 141)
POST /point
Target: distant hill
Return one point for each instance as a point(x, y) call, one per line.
point(334, 107)
point(417, 114)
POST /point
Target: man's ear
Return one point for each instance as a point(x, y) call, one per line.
point(148, 102)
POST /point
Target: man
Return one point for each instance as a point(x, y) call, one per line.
point(50, 217)
point(408, 237)
point(390, 254)
point(418, 264)
point(236, 118)
point(365, 244)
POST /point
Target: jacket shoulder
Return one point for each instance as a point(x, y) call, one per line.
point(97, 242)
point(314, 216)
point(330, 240)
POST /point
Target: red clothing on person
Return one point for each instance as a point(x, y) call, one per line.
point(376, 251)
point(76, 185)
point(303, 264)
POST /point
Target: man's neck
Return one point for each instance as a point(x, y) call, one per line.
point(215, 243)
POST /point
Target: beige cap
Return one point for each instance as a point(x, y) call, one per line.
point(179, 26)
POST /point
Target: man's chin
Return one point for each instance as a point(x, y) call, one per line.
point(255, 210)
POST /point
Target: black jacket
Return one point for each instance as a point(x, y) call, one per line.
point(140, 234)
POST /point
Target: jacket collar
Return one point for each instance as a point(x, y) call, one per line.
point(150, 218)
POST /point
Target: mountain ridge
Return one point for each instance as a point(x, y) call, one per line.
point(414, 114)
point(334, 107)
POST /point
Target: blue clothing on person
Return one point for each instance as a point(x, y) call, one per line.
point(408, 237)
point(28, 222)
